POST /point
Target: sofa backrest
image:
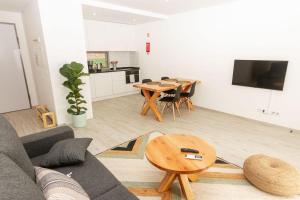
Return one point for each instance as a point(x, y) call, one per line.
point(15, 184)
point(12, 147)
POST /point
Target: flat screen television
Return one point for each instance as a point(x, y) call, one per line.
point(260, 73)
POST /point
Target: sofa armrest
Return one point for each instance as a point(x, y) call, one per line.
point(40, 143)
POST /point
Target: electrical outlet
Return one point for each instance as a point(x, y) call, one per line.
point(275, 113)
point(261, 110)
point(266, 112)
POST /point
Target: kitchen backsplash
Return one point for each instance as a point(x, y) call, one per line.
point(124, 58)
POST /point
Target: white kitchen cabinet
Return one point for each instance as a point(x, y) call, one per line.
point(103, 84)
point(119, 82)
point(130, 88)
point(92, 85)
point(120, 85)
point(110, 85)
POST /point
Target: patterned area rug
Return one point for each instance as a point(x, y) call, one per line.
point(222, 181)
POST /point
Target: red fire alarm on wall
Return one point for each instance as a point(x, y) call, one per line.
point(148, 44)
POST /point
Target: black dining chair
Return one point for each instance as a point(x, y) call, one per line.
point(146, 81)
point(172, 101)
point(168, 92)
point(185, 97)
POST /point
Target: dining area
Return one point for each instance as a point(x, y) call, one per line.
point(166, 94)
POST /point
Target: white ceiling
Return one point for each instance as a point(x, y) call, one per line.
point(115, 16)
point(166, 7)
point(13, 5)
point(126, 11)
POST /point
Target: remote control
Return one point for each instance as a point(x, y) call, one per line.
point(193, 157)
point(188, 150)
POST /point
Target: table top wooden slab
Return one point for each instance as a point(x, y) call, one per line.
point(165, 85)
point(164, 153)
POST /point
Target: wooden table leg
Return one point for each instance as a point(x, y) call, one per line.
point(146, 106)
point(151, 104)
point(185, 186)
point(166, 183)
point(168, 180)
point(194, 177)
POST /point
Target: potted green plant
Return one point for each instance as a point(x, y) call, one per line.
point(73, 72)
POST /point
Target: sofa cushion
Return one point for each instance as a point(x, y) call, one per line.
point(11, 145)
point(117, 193)
point(40, 143)
point(15, 183)
point(66, 152)
point(58, 186)
point(94, 178)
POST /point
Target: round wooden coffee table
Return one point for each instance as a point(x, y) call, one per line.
point(164, 153)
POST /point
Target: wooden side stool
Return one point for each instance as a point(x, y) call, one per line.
point(48, 118)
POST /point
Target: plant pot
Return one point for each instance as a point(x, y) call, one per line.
point(79, 121)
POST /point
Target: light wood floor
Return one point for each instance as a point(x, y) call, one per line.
point(118, 120)
point(25, 122)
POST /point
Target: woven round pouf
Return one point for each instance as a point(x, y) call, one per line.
point(272, 175)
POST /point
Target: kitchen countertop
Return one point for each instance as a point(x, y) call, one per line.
point(117, 70)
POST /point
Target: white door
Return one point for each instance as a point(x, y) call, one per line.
point(13, 87)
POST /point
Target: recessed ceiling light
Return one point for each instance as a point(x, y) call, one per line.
point(94, 14)
point(166, 0)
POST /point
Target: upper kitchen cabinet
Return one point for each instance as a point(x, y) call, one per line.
point(105, 36)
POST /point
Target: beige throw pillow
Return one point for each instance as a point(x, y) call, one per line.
point(57, 186)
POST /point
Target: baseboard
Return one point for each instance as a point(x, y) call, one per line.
point(114, 96)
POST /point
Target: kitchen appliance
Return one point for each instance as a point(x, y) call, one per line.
point(132, 75)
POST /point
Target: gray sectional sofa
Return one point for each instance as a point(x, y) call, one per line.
point(19, 155)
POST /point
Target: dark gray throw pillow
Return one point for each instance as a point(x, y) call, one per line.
point(66, 152)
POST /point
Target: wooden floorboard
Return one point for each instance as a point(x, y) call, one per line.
point(118, 120)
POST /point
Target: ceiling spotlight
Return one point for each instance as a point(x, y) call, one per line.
point(166, 0)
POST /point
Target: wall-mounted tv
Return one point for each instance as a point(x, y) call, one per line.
point(260, 73)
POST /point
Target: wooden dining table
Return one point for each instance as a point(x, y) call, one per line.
point(157, 87)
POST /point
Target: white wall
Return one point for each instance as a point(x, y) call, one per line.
point(35, 39)
point(63, 29)
point(105, 36)
point(124, 58)
point(203, 44)
point(118, 39)
point(16, 18)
